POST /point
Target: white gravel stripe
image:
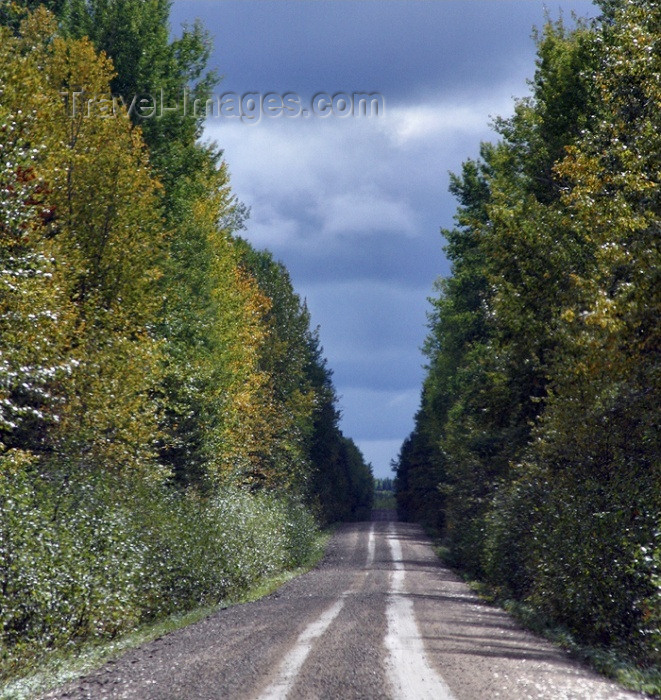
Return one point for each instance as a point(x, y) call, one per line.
point(370, 548)
point(410, 674)
point(293, 662)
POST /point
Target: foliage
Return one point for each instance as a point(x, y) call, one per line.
point(284, 357)
point(167, 422)
point(384, 494)
point(135, 35)
point(536, 444)
point(341, 483)
point(70, 573)
point(90, 254)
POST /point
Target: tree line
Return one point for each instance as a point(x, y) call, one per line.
point(535, 451)
point(169, 428)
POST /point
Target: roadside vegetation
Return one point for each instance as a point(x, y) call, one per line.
point(68, 663)
point(536, 453)
point(169, 434)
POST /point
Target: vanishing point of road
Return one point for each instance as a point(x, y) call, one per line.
point(380, 617)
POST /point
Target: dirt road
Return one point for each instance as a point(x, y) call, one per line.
point(379, 618)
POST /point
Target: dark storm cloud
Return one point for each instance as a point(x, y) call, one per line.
point(403, 49)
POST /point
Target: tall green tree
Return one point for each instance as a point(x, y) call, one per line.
point(197, 325)
point(285, 357)
point(537, 418)
point(170, 75)
point(602, 471)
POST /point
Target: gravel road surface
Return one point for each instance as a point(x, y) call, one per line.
point(380, 617)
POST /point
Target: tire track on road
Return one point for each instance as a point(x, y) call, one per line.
point(292, 664)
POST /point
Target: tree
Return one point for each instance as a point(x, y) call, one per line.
point(602, 471)
point(99, 241)
point(170, 75)
point(537, 413)
point(284, 357)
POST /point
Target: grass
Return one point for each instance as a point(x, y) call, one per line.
point(65, 665)
point(384, 500)
point(609, 662)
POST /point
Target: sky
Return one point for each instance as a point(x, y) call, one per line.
point(353, 206)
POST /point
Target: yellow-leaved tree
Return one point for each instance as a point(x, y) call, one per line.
point(94, 231)
point(235, 395)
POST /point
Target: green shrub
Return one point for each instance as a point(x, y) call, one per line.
point(84, 558)
point(598, 564)
point(508, 550)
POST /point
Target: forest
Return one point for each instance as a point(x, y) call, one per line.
point(169, 428)
point(535, 452)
